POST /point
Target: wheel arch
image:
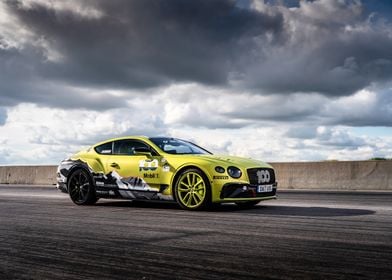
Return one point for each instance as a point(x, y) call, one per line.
point(77, 166)
point(183, 168)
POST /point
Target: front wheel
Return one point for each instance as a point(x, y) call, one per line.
point(81, 188)
point(192, 190)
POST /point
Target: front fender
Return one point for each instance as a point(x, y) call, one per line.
point(189, 165)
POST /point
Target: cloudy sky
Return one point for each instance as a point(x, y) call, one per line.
point(273, 80)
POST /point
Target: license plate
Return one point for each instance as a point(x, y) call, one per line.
point(264, 188)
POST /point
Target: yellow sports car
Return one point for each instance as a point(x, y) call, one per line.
point(162, 168)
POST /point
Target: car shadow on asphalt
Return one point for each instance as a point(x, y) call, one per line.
point(276, 210)
point(138, 204)
point(304, 211)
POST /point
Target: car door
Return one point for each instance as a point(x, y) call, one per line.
point(127, 163)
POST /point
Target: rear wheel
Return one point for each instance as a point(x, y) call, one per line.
point(192, 190)
point(81, 189)
point(247, 204)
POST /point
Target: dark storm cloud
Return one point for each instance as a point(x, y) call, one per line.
point(371, 107)
point(282, 108)
point(145, 43)
point(19, 83)
point(327, 47)
point(339, 66)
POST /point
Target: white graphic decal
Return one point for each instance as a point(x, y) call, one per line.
point(131, 183)
point(165, 196)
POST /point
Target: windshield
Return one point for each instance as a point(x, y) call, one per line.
point(177, 146)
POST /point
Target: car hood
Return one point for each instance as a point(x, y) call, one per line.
point(230, 160)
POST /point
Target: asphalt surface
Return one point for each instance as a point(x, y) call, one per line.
point(302, 235)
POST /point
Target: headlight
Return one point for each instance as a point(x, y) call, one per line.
point(234, 172)
point(219, 169)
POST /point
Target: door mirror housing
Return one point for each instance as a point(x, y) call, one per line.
point(142, 151)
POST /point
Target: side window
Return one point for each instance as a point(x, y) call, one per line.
point(126, 147)
point(104, 149)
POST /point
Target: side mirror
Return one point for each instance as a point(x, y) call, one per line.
point(142, 151)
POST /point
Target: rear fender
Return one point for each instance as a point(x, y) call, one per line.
point(67, 167)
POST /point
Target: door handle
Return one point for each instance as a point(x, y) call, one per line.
point(114, 164)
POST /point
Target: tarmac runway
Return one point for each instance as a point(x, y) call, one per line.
point(302, 235)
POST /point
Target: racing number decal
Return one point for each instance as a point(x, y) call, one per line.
point(148, 165)
point(263, 176)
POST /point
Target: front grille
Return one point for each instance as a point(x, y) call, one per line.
point(261, 176)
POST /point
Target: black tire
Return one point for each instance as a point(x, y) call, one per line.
point(248, 204)
point(201, 199)
point(81, 188)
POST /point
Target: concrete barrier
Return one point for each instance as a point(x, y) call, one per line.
point(32, 175)
point(336, 175)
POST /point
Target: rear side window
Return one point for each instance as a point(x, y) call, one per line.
point(127, 147)
point(104, 149)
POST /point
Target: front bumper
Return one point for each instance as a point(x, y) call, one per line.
point(243, 192)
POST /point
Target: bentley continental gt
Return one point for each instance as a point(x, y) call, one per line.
point(163, 168)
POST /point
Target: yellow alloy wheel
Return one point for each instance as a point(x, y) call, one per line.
point(191, 190)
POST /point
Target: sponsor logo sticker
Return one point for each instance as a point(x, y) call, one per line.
point(220, 177)
point(166, 168)
point(150, 175)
